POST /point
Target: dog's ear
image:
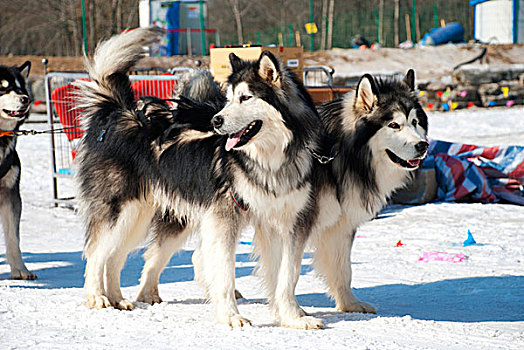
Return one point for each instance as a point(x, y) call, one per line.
point(366, 94)
point(235, 62)
point(24, 69)
point(269, 68)
point(409, 79)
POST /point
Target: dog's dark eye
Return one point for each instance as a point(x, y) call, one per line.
point(394, 125)
point(414, 122)
point(244, 98)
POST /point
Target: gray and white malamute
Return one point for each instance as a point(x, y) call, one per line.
point(14, 110)
point(378, 138)
point(141, 162)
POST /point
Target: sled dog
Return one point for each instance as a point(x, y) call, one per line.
point(378, 137)
point(14, 110)
point(249, 164)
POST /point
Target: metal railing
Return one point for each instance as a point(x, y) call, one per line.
point(318, 76)
point(64, 121)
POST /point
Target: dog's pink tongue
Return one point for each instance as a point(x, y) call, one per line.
point(414, 162)
point(232, 140)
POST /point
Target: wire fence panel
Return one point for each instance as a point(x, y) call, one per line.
point(351, 19)
point(64, 120)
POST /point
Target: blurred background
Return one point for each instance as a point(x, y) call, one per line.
point(55, 27)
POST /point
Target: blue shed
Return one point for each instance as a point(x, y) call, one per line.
point(499, 21)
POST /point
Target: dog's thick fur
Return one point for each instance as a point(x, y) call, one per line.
point(378, 134)
point(14, 110)
point(195, 180)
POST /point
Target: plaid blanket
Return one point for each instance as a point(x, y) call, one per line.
point(476, 173)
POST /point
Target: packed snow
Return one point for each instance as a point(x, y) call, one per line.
point(472, 303)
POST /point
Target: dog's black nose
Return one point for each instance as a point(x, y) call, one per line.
point(422, 146)
point(217, 121)
point(24, 100)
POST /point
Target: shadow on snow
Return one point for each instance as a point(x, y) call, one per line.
point(474, 299)
point(66, 269)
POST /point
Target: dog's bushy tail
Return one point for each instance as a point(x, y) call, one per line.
point(109, 88)
point(198, 98)
point(200, 86)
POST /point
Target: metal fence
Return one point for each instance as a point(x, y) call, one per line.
point(64, 121)
point(385, 24)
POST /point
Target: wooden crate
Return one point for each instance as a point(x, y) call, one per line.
point(219, 58)
point(325, 94)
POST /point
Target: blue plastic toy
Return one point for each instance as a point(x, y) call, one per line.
point(470, 240)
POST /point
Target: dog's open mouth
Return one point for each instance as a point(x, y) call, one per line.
point(408, 164)
point(243, 136)
point(15, 114)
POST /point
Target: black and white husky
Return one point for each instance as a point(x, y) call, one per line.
point(255, 169)
point(378, 133)
point(14, 109)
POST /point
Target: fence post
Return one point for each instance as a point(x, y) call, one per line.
point(377, 22)
point(417, 28)
point(311, 19)
point(257, 33)
point(202, 32)
point(84, 27)
point(435, 16)
point(414, 21)
point(51, 127)
point(408, 28)
point(189, 46)
point(331, 10)
point(323, 25)
point(381, 22)
point(290, 26)
point(395, 24)
point(516, 21)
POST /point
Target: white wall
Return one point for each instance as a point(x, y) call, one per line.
point(494, 21)
point(144, 13)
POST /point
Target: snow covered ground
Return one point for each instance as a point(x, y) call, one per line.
point(474, 304)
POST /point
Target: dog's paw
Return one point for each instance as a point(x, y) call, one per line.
point(23, 275)
point(358, 307)
point(304, 322)
point(149, 299)
point(237, 321)
point(123, 304)
point(97, 302)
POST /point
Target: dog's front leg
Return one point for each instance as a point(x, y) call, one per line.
point(290, 313)
point(219, 232)
point(10, 211)
point(333, 261)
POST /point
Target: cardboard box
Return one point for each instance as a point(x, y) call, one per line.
point(219, 58)
point(325, 94)
point(422, 190)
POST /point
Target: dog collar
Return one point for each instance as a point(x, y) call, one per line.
point(4, 133)
point(322, 159)
point(239, 202)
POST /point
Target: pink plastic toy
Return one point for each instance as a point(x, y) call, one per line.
point(442, 256)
